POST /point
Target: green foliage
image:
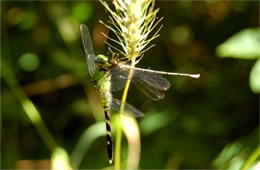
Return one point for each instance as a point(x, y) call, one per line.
point(236, 155)
point(207, 123)
point(60, 159)
point(254, 77)
point(29, 61)
point(87, 138)
point(154, 121)
point(28, 20)
point(244, 45)
point(82, 11)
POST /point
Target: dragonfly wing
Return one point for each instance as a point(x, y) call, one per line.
point(90, 55)
point(152, 79)
point(150, 91)
point(118, 79)
point(151, 84)
point(129, 109)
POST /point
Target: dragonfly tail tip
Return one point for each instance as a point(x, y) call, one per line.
point(197, 75)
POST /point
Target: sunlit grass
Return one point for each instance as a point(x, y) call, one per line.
point(87, 138)
point(28, 107)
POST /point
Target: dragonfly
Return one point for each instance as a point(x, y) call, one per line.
point(109, 74)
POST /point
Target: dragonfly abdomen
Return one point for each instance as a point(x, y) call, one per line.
point(105, 98)
point(109, 135)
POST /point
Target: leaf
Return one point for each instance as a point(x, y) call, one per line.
point(243, 45)
point(239, 154)
point(153, 122)
point(254, 79)
point(87, 138)
point(132, 134)
point(60, 159)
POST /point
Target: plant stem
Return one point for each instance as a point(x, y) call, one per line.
point(119, 130)
point(251, 158)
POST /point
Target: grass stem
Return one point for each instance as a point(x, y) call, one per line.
point(119, 129)
point(251, 159)
point(28, 107)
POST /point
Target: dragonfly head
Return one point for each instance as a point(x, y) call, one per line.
point(103, 62)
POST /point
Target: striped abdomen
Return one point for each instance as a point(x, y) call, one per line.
point(106, 107)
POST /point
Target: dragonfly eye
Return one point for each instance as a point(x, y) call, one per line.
point(100, 61)
point(103, 62)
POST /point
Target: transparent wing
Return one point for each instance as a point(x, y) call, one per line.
point(90, 55)
point(118, 79)
point(152, 79)
point(129, 109)
point(151, 84)
point(150, 91)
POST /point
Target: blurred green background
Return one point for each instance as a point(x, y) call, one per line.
point(210, 122)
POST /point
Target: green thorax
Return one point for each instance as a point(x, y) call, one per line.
point(102, 77)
